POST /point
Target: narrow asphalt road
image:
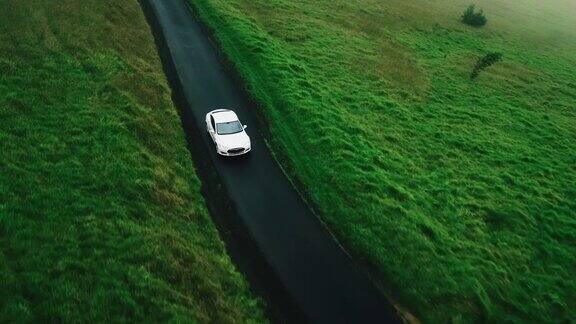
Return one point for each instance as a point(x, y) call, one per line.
point(317, 275)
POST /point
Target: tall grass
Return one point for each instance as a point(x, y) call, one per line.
point(460, 195)
point(101, 217)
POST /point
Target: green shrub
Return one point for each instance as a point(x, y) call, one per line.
point(474, 18)
point(484, 62)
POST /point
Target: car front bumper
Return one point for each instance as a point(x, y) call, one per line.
point(233, 153)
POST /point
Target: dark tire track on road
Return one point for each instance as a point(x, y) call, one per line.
point(285, 251)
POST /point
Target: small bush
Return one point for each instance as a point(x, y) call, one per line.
point(474, 18)
point(484, 62)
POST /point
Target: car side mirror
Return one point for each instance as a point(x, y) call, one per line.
point(245, 126)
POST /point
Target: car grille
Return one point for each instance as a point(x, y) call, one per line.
point(235, 151)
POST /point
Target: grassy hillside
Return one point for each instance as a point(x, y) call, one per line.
point(460, 195)
point(101, 218)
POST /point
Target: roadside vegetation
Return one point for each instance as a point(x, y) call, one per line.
point(459, 195)
point(474, 18)
point(485, 62)
point(101, 217)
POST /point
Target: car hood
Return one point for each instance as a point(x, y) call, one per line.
point(233, 140)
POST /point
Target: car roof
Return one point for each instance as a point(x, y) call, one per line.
point(224, 116)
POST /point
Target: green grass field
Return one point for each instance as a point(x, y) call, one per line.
point(101, 217)
point(459, 195)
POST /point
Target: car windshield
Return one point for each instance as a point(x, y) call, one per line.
point(229, 128)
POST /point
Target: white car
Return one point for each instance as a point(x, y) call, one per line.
point(227, 132)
